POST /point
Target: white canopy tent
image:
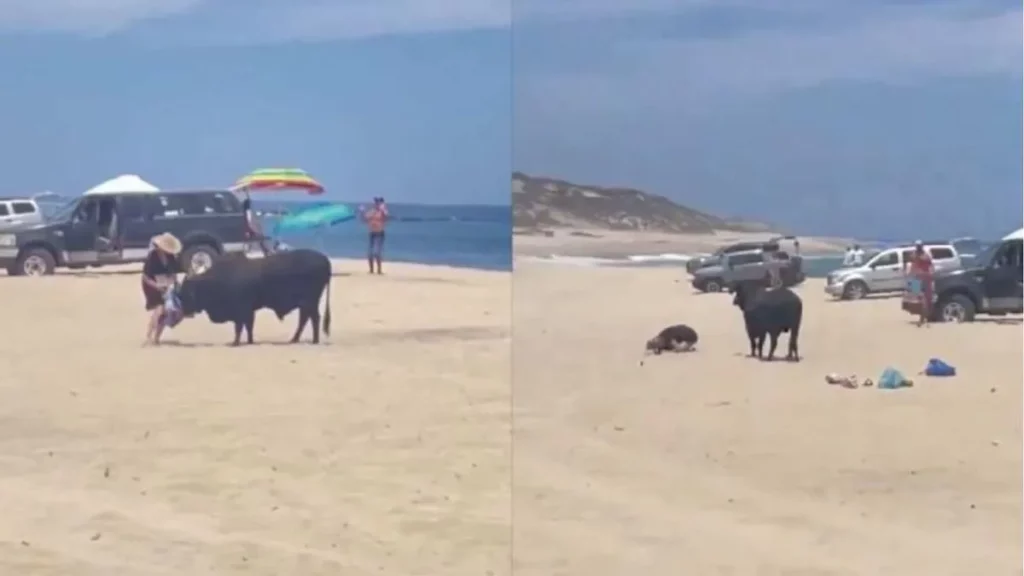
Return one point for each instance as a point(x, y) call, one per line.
point(1018, 235)
point(122, 184)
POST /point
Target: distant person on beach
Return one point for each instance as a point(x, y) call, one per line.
point(921, 270)
point(159, 273)
point(773, 263)
point(858, 255)
point(376, 218)
point(854, 256)
point(253, 228)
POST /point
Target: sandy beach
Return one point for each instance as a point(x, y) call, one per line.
point(712, 463)
point(385, 451)
point(582, 242)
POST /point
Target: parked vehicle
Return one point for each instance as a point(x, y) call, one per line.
point(885, 271)
point(16, 212)
point(992, 286)
point(103, 229)
point(748, 266)
point(968, 249)
point(698, 262)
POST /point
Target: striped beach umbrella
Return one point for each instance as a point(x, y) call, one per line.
point(276, 179)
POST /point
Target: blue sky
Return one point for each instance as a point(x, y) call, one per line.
point(847, 116)
point(859, 117)
point(395, 100)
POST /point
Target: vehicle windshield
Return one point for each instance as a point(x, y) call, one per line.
point(968, 246)
point(63, 213)
point(986, 255)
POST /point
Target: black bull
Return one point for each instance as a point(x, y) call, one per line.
point(769, 312)
point(235, 287)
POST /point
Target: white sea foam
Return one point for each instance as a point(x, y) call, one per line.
point(570, 260)
point(639, 258)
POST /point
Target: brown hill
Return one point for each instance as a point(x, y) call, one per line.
point(539, 202)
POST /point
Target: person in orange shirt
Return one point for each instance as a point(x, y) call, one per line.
point(920, 268)
point(376, 219)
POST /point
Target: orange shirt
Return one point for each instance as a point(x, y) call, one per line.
point(376, 218)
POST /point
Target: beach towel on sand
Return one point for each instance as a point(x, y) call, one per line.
point(891, 379)
point(937, 367)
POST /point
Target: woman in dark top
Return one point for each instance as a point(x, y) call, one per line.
point(158, 272)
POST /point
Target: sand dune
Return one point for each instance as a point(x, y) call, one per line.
point(712, 463)
point(385, 451)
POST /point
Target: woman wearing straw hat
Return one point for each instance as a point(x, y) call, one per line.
point(159, 273)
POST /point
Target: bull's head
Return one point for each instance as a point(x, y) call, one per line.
point(190, 295)
point(743, 294)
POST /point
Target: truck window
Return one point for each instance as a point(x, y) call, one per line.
point(135, 207)
point(744, 259)
point(891, 258)
point(4, 211)
point(1010, 255)
point(941, 253)
point(23, 207)
point(176, 204)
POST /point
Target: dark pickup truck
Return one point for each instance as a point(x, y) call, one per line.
point(991, 286)
point(106, 229)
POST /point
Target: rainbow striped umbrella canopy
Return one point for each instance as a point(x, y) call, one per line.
point(269, 179)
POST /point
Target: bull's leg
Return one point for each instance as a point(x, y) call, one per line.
point(314, 318)
point(794, 349)
point(250, 323)
point(774, 335)
point(238, 333)
point(753, 345)
point(760, 346)
point(303, 318)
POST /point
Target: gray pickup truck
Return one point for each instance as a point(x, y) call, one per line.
point(750, 265)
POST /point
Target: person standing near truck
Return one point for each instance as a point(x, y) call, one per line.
point(921, 270)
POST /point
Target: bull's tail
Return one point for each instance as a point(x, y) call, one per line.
point(327, 309)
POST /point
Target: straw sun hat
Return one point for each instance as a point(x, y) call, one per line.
point(168, 243)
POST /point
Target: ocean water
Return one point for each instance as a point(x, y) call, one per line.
point(462, 236)
point(816, 265)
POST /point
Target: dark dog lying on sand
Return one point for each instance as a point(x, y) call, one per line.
point(678, 338)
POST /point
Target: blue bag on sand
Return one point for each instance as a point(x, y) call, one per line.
point(937, 367)
point(891, 379)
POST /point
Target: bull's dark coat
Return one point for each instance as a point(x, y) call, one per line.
point(770, 312)
point(234, 288)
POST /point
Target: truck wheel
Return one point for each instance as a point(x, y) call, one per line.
point(198, 259)
point(713, 285)
point(855, 290)
point(958, 308)
point(35, 262)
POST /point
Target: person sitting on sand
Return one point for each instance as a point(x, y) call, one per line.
point(158, 274)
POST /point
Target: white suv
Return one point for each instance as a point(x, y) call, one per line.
point(19, 212)
point(884, 273)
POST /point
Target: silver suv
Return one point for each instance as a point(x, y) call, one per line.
point(750, 265)
point(884, 272)
point(16, 212)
